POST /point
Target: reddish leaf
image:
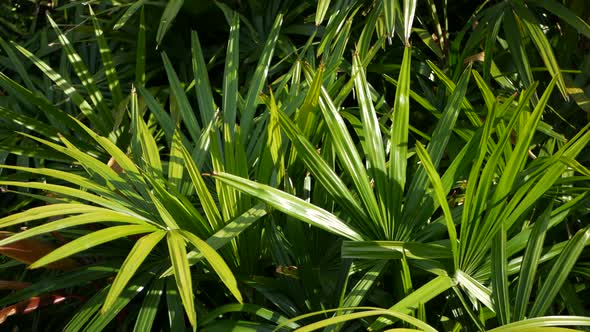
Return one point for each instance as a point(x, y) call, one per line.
point(30, 305)
point(30, 250)
point(10, 284)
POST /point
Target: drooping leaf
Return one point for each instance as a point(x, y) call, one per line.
point(291, 205)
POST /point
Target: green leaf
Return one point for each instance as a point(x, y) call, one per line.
point(274, 142)
point(226, 196)
point(369, 313)
point(175, 165)
point(389, 9)
point(128, 13)
point(36, 99)
point(202, 86)
point(291, 205)
point(398, 140)
point(565, 14)
point(230, 81)
point(170, 12)
point(184, 107)
point(174, 304)
point(88, 241)
point(158, 112)
point(530, 262)
point(441, 197)
point(143, 144)
point(536, 324)
point(51, 283)
point(474, 288)
point(149, 307)
point(371, 132)
point(31, 151)
point(436, 149)
point(489, 66)
point(559, 272)
point(476, 194)
point(135, 287)
point(129, 182)
point(451, 86)
point(104, 191)
point(486, 91)
point(500, 283)
point(516, 46)
point(226, 234)
point(48, 211)
point(18, 65)
point(205, 198)
point(351, 162)
point(182, 273)
point(83, 219)
point(216, 262)
point(29, 123)
point(321, 11)
point(365, 39)
point(306, 117)
point(107, 61)
point(165, 215)
point(362, 288)
point(137, 255)
point(432, 41)
point(409, 11)
point(520, 152)
point(543, 46)
point(416, 97)
point(235, 227)
point(321, 170)
point(68, 89)
point(410, 303)
point(373, 142)
point(257, 81)
point(487, 230)
point(394, 250)
point(140, 49)
point(86, 311)
point(75, 193)
point(254, 309)
point(83, 73)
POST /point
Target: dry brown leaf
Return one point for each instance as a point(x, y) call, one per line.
point(114, 165)
point(481, 57)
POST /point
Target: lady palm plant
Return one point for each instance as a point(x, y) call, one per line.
point(141, 192)
point(370, 212)
point(455, 261)
point(446, 226)
point(461, 261)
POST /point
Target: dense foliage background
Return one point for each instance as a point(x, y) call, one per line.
point(269, 165)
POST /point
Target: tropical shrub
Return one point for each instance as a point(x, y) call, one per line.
point(345, 165)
